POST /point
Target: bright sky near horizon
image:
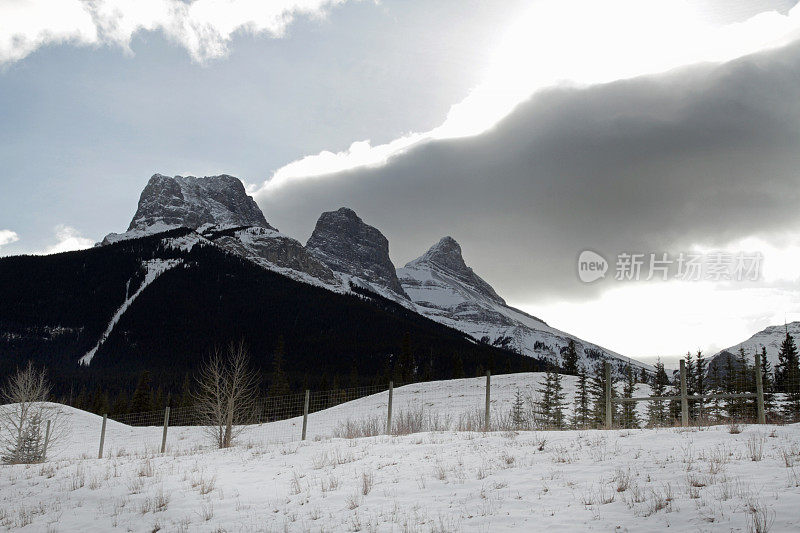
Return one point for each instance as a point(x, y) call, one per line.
point(461, 118)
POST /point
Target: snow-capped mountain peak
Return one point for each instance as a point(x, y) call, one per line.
point(445, 289)
point(445, 258)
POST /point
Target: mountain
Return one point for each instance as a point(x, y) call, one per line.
point(200, 265)
point(99, 317)
point(445, 289)
point(356, 250)
point(770, 338)
point(219, 208)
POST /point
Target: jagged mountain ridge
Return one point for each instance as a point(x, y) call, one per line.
point(445, 289)
point(343, 251)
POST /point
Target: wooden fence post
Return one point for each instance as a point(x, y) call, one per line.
point(488, 396)
point(762, 418)
point(102, 437)
point(305, 414)
point(684, 399)
point(609, 405)
point(164, 433)
point(389, 410)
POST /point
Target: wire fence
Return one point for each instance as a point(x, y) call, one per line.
point(512, 402)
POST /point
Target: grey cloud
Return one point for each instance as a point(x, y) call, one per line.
point(703, 154)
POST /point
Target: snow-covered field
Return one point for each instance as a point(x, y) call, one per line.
point(695, 479)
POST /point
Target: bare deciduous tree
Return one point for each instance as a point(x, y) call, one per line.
point(227, 390)
point(24, 417)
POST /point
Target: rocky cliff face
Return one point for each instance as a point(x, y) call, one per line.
point(347, 245)
point(445, 289)
point(192, 202)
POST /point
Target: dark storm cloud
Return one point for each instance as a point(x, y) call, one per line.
point(704, 154)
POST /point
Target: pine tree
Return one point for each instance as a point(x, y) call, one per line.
point(558, 397)
point(458, 368)
point(790, 376)
point(570, 360)
point(729, 387)
point(690, 384)
point(142, 399)
point(546, 400)
point(518, 411)
point(656, 409)
point(700, 383)
point(404, 366)
point(597, 390)
point(787, 358)
point(630, 419)
point(551, 403)
point(643, 377)
point(280, 384)
point(583, 411)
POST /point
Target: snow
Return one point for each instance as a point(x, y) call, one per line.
point(449, 300)
point(154, 268)
point(694, 479)
point(770, 337)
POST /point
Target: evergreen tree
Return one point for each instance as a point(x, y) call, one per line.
point(551, 401)
point(656, 409)
point(729, 387)
point(280, 383)
point(787, 373)
point(518, 411)
point(700, 382)
point(570, 359)
point(583, 410)
point(186, 393)
point(597, 389)
point(458, 367)
point(768, 383)
point(643, 377)
point(142, 399)
point(690, 384)
point(630, 419)
point(404, 366)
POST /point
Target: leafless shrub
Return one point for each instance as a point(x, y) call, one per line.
point(353, 429)
point(226, 394)
point(755, 446)
point(24, 419)
point(366, 482)
point(622, 478)
point(734, 428)
point(759, 518)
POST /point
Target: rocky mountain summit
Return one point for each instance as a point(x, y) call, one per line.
point(191, 202)
point(351, 247)
point(445, 289)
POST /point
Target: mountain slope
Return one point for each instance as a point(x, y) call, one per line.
point(120, 309)
point(445, 289)
point(770, 338)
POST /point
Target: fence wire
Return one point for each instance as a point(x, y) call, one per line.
point(525, 401)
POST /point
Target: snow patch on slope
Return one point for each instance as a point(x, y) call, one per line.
point(154, 268)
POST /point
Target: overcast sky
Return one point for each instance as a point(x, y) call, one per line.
point(529, 131)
